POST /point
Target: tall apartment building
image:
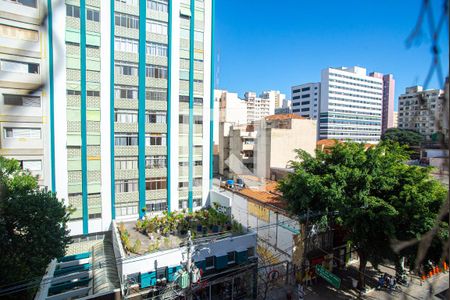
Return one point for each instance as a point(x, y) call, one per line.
point(145, 147)
point(395, 122)
point(230, 110)
point(305, 100)
point(257, 107)
point(387, 120)
point(23, 97)
point(350, 105)
point(276, 99)
point(423, 111)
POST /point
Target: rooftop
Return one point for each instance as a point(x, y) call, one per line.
point(266, 194)
point(166, 232)
point(284, 117)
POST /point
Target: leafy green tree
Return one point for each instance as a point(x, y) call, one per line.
point(32, 226)
point(378, 197)
point(405, 137)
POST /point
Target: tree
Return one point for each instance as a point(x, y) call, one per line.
point(378, 197)
point(405, 137)
point(32, 226)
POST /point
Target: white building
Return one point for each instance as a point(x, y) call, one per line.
point(395, 119)
point(146, 146)
point(305, 100)
point(257, 107)
point(24, 106)
point(228, 108)
point(422, 111)
point(350, 105)
point(276, 99)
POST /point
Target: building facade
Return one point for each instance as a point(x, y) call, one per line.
point(305, 100)
point(132, 124)
point(277, 138)
point(395, 122)
point(423, 111)
point(276, 99)
point(387, 120)
point(24, 106)
point(257, 107)
point(350, 105)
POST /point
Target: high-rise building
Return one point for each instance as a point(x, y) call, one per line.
point(132, 118)
point(395, 123)
point(305, 100)
point(276, 99)
point(387, 118)
point(257, 107)
point(423, 111)
point(350, 105)
point(23, 97)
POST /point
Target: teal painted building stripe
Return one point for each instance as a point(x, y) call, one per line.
point(83, 117)
point(141, 107)
point(211, 103)
point(169, 106)
point(191, 106)
point(111, 116)
point(51, 95)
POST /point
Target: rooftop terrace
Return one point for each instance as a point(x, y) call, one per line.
point(166, 231)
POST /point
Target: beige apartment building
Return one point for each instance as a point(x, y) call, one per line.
point(23, 97)
point(277, 138)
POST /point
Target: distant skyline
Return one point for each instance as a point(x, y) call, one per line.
point(273, 45)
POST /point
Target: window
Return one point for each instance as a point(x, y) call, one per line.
point(306, 96)
point(184, 99)
point(29, 3)
point(157, 183)
point(156, 205)
point(251, 252)
point(93, 93)
point(198, 163)
point(156, 162)
point(19, 100)
point(72, 11)
point(157, 5)
point(156, 49)
point(129, 2)
point(197, 182)
point(73, 92)
point(126, 116)
point(17, 133)
point(183, 184)
point(305, 109)
point(156, 27)
point(306, 89)
point(125, 92)
point(198, 120)
point(296, 91)
point(125, 20)
point(126, 163)
point(18, 33)
point(231, 257)
point(156, 117)
point(123, 68)
point(183, 119)
point(196, 202)
point(155, 139)
point(198, 101)
point(126, 45)
point(209, 262)
point(156, 71)
point(182, 204)
point(95, 216)
point(156, 94)
point(93, 15)
point(126, 186)
point(183, 163)
point(31, 165)
point(126, 139)
point(19, 67)
point(306, 102)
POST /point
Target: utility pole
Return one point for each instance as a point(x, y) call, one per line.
point(189, 264)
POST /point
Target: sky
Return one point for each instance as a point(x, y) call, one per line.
point(273, 45)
